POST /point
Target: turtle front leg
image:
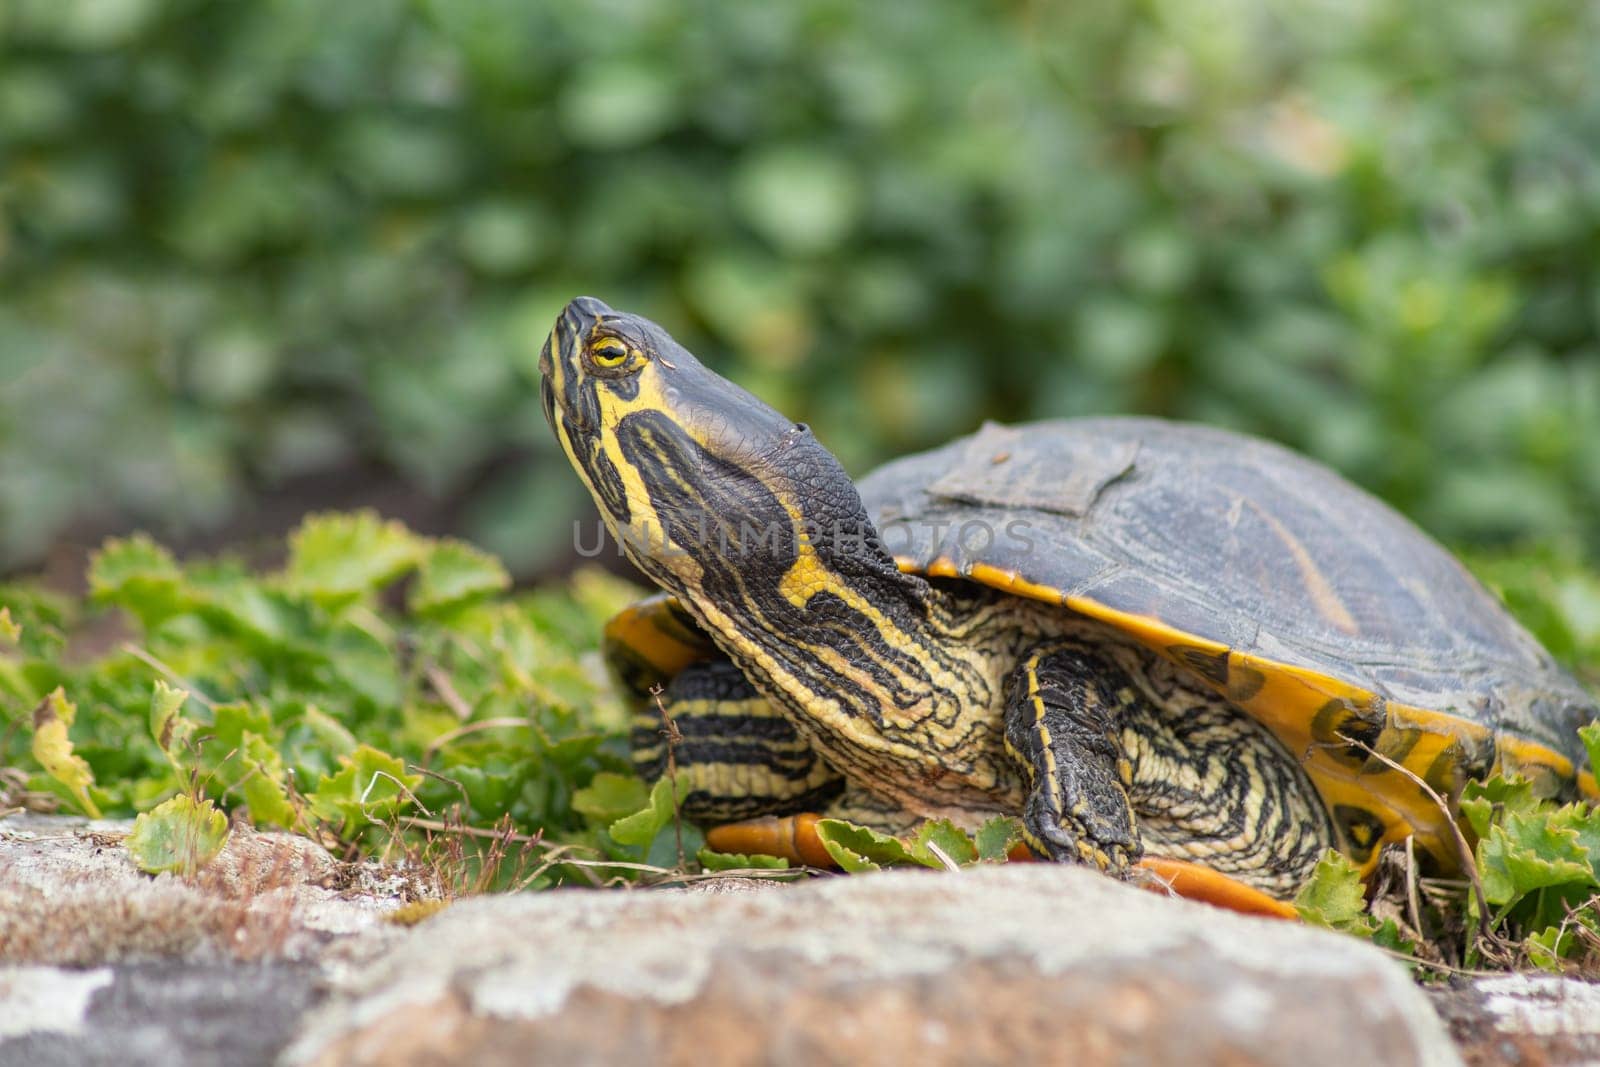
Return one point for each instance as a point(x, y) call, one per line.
point(1103, 732)
point(754, 783)
point(1062, 714)
point(741, 757)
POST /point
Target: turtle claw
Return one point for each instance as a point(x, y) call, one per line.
point(1060, 841)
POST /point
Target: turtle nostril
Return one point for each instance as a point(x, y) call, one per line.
point(582, 313)
point(588, 305)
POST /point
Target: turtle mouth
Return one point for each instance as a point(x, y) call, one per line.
point(560, 357)
point(558, 415)
point(563, 419)
point(547, 399)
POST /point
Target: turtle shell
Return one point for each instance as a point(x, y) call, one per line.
point(1312, 605)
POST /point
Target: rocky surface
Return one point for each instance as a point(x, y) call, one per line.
point(1523, 1019)
point(69, 895)
point(154, 1013)
point(1023, 964)
point(280, 955)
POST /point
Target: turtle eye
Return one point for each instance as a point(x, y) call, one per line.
point(608, 353)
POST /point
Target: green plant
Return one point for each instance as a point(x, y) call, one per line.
point(1531, 893)
point(1530, 896)
point(377, 679)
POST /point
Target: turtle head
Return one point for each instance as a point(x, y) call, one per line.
point(708, 490)
point(750, 523)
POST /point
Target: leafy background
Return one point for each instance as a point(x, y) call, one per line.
point(254, 255)
point(262, 258)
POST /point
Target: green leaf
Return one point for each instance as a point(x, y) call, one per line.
point(1590, 736)
point(10, 632)
point(736, 861)
point(1334, 896)
point(311, 740)
point(336, 559)
point(1483, 802)
point(1387, 935)
point(1528, 851)
point(53, 749)
point(370, 787)
point(329, 731)
point(1584, 822)
point(38, 620)
point(261, 782)
point(241, 761)
point(856, 848)
point(365, 662)
point(996, 837)
point(139, 576)
point(1548, 949)
point(641, 827)
point(179, 835)
point(570, 754)
point(266, 620)
point(231, 721)
point(946, 837)
point(171, 731)
point(454, 573)
point(609, 797)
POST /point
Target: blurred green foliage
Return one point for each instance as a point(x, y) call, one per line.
point(243, 241)
point(378, 676)
point(1556, 596)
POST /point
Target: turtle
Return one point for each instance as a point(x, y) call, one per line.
point(1159, 646)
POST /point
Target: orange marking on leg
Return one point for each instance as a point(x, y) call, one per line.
point(1193, 882)
point(793, 837)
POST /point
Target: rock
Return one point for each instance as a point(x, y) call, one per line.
point(1024, 963)
point(1530, 1019)
point(151, 1014)
point(278, 954)
point(69, 895)
point(103, 964)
